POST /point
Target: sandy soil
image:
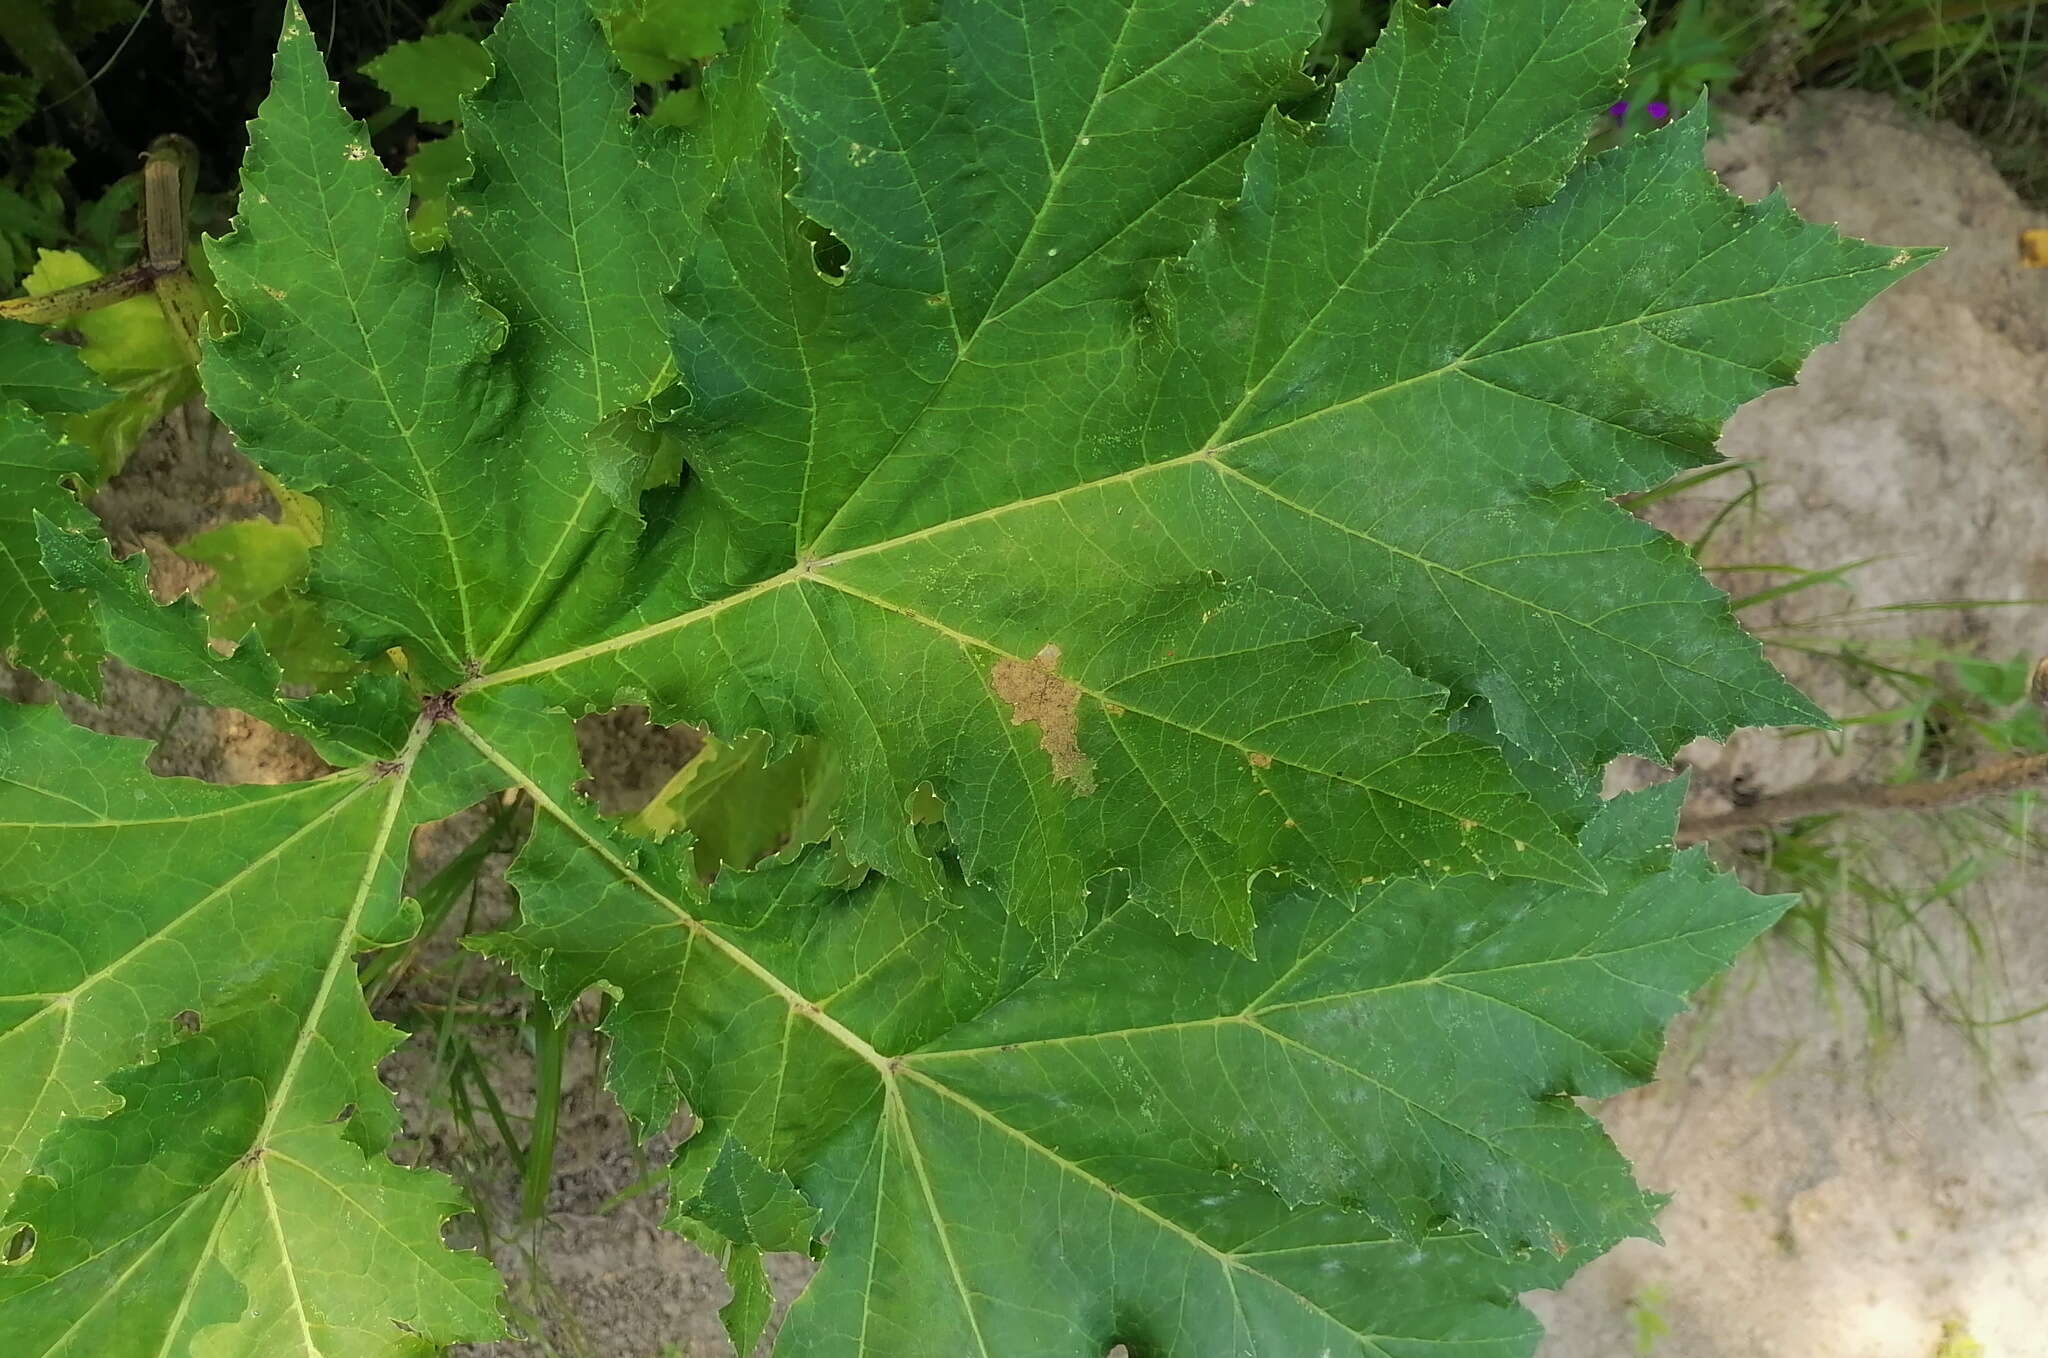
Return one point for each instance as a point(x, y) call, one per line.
point(1833, 1200)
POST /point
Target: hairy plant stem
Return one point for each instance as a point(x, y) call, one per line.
point(1827, 799)
point(549, 1041)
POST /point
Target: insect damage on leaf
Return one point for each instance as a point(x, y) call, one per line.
point(1037, 695)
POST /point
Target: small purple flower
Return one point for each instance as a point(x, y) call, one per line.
point(1656, 108)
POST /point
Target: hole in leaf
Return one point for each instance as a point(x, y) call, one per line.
point(187, 1021)
point(743, 800)
point(828, 252)
point(630, 759)
point(348, 1110)
point(747, 800)
point(21, 1244)
point(651, 88)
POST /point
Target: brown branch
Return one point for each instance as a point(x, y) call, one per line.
point(68, 304)
point(1827, 799)
point(167, 179)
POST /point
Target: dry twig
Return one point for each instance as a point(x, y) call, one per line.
point(2003, 778)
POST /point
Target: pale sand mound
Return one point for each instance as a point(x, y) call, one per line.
point(1832, 1204)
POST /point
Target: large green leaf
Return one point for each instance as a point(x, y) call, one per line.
point(1174, 504)
point(451, 437)
point(1165, 1143)
point(1000, 458)
point(234, 1198)
point(1042, 594)
point(48, 378)
point(42, 626)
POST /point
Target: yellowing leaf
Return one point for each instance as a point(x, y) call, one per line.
point(259, 568)
point(745, 801)
point(127, 340)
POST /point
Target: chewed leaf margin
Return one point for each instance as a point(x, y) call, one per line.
point(1015, 1138)
point(193, 1129)
point(1153, 493)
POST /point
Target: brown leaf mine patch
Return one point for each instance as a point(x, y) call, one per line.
point(1037, 694)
